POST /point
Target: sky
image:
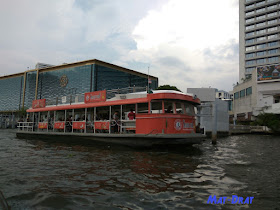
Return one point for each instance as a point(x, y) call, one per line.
point(185, 43)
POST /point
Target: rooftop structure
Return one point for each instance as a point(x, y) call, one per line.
point(42, 66)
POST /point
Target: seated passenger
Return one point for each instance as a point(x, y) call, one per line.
point(131, 115)
point(169, 110)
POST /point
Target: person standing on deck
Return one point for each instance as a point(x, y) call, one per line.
point(116, 122)
point(131, 115)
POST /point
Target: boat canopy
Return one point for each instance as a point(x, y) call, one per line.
point(40, 105)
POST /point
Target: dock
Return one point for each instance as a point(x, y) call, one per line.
point(248, 129)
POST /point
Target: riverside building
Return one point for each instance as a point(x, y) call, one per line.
point(258, 89)
point(63, 83)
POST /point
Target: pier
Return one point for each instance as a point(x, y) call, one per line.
point(247, 129)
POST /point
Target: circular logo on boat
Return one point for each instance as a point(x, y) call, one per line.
point(63, 81)
point(178, 125)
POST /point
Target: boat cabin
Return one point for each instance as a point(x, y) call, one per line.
point(162, 112)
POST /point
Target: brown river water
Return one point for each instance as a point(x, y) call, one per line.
point(41, 175)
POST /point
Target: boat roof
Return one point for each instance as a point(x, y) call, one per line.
point(124, 99)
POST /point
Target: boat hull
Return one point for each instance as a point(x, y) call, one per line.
point(133, 140)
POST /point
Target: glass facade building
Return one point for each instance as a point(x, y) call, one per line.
point(11, 89)
point(68, 79)
point(258, 34)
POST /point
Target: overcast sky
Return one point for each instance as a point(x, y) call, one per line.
point(186, 43)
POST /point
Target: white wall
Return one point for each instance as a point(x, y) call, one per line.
point(204, 94)
point(206, 119)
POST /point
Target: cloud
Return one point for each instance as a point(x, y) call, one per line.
point(67, 30)
point(190, 43)
point(185, 43)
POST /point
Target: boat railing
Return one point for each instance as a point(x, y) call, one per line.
point(25, 126)
point(98, 126)
point(128, 126)
point(79, 98)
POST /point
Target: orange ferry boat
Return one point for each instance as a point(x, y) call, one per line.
point(135, 119)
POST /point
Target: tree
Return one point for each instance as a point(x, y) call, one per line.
point(168, 87)
point(270, 120)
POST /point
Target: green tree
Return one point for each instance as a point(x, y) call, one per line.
point(270, 120)
point(168, 87)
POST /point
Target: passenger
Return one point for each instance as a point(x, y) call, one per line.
point(131, 115)
point(68, 124)
point(197, 128)
point(116, 122)
point(169, 110)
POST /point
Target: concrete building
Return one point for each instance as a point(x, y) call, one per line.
point(258, 35)
point(213, 112)
point(224, 95)
point(256, 95)
point(258, 89)
point(17, 91)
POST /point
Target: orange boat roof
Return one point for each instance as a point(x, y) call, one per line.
point(149, 97)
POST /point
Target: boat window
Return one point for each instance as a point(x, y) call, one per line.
point(79, 115)
point(51, 119)
point(179, 108)
point(29, 117)
point(156, 107)
point(69, 119)
point(116, 112)
point(90, 120)
point(60, 115)
point(168, 107)
point(90, 114)
point(43, 117)
point(127, 109)
point(143, 108)
point(69, 115)
point(189, 108)
point(35, 118)
point(102, 113)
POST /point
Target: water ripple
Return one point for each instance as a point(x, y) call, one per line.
point(41, 175)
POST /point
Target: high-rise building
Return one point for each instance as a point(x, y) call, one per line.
point(258, 89)
point(259, 40)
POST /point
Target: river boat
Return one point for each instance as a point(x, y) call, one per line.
point(134, 119)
